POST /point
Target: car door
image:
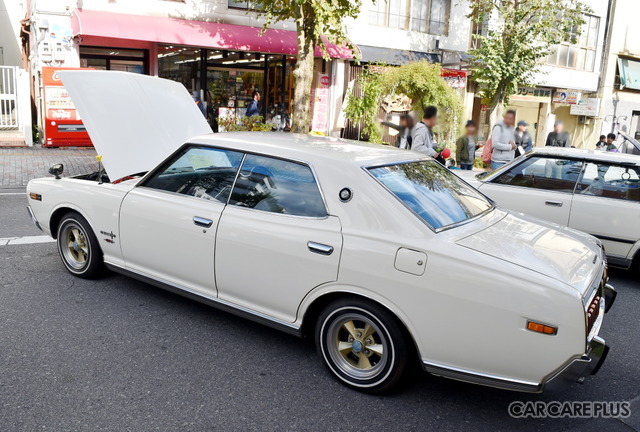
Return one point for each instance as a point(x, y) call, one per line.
point(275, 240)
point(538, 186)
point(168, 223)
point(607, 205)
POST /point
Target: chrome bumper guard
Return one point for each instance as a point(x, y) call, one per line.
point(33, 218)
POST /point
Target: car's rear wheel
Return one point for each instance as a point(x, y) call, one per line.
point(362, 344)
point(78, 246)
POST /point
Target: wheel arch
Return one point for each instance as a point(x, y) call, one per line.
point(59, 212)
point(313, 305)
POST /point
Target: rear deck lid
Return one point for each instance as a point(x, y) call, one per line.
point(134, 121)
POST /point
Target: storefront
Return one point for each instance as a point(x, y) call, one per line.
point(225, 80)
point(220, 64)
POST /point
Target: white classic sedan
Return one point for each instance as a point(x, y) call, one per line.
point(381, 255)
point(591, 191)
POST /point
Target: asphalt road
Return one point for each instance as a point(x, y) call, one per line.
point(117, 354)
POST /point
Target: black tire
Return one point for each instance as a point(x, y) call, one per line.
point(386, 349)
point(78, 246)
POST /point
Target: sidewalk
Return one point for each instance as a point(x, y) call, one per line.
point(19, 165)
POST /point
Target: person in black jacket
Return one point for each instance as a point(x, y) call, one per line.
point(558, 138)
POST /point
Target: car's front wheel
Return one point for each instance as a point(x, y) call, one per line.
point(78, 246)
point(363, 344)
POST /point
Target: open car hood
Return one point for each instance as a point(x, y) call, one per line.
point(134, 121)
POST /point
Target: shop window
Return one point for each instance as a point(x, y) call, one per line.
point(431, 16)
point(180, 64)
point(391, 13)
point(582, 54)
point(119, 59)
point(248, 5)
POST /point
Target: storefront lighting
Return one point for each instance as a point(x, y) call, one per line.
point(236, 61)
point(214, 57)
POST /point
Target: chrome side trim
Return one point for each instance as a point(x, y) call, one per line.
point(482, 378)
point(211, 301)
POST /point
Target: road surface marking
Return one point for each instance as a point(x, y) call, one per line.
point(13, 193)
point(11, 241)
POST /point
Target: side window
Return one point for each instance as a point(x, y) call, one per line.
point(277, 186)
point(201, 172)
point(543, 173)
point(610, 181)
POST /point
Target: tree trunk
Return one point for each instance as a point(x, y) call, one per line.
point(303, 71)
point(497, 107)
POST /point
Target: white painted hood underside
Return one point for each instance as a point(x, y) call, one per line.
point(134, 121)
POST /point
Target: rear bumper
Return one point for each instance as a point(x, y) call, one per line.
point(577, 370)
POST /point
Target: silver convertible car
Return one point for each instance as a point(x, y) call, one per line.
point(381, 255)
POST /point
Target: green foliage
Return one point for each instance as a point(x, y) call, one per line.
point(314, 18)
point(317, 21)
point(363, 108)
point(521, 34)
point(421, 81)
point(243, 123)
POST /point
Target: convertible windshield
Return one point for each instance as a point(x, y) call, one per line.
point(432, 192)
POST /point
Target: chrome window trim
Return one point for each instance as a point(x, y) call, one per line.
point(298, 162)
point(493, 179)
point(492, 207)
point(184, 147)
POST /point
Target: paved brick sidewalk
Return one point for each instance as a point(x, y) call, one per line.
point(19, 165)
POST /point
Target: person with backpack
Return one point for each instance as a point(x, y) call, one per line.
point(502, 143)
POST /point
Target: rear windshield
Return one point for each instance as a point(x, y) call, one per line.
point(432, 192)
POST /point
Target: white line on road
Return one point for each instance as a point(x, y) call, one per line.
point(13, 193)
point(11, 241)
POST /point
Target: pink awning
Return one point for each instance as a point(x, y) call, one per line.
point(173, 31)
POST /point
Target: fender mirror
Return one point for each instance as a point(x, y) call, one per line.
point(56, 170)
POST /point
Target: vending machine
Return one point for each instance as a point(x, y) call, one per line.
point(62, 124)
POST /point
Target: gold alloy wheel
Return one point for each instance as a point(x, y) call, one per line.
point(357, 346)
point(74, 246)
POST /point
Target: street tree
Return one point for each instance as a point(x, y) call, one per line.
point(517, 35)
point(316, 21)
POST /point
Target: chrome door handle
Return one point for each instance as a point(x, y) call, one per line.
point(320, 248)
point(203, 222)
point(554, 203)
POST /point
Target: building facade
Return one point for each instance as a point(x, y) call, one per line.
point(568, 77)
point(15, 105)
point(619, 95)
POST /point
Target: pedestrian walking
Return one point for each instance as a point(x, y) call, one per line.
point(466, 146)
point(602, 143)
point(404, 140)
point(196, 98)
point(523, 139)
point(254, 108)
point(422, 135)
point(558, 138)
point(503, 140)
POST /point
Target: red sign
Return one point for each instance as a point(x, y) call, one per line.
point(456, 78)
point(62, 124)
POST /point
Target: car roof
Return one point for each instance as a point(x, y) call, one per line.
point(309, 148)
point(596, 155)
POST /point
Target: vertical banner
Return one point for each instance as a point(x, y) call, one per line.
point(320, 104)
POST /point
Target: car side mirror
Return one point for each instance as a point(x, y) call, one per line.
point(56, 170)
